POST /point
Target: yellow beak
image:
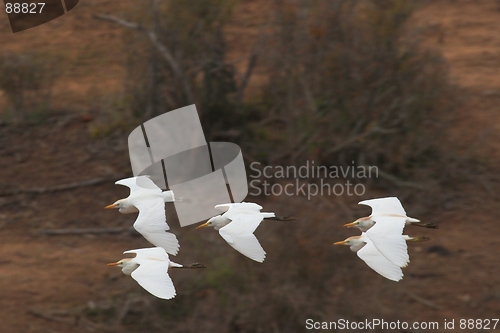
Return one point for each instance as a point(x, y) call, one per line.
point(202, 225)
point(349, 225)
point(113, 264)
point(111, 206)
point(339, 243)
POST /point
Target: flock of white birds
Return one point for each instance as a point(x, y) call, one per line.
point(381, 245)
point(150, 265)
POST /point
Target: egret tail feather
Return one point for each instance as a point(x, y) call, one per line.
point(284, 218)
point(419, 239)
point(426, 225)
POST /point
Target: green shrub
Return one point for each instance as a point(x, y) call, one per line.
point(26, 80)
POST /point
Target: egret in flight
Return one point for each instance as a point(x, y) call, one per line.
point(150, 269)
point(237, 225)
point(390, 206)
point(149, 200)
point(366, 250)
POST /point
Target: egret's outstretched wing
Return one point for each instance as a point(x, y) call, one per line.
point(383, 206)
point(139, 183)
point(239, 205)
point(378, 262)
point(152, 224)
point(239, 234)
point(152, 273)
point(387, 236)
point(246, 244)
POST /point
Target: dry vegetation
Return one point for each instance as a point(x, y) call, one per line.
point(337, 82)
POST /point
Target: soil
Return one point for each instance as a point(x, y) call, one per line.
point(60, 283)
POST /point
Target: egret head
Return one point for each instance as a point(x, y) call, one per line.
point(348, 241)
point(117, 204)
point(363, 222)
point(119, 263)
point(210, 223)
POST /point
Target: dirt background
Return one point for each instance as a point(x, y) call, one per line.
point(62, 284)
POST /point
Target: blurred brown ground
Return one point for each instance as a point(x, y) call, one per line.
point(52, 283)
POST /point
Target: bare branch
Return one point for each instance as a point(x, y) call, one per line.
point(63, 187)
point(244, 81)
point(355, 138)
point(399, 182)
point(164, 51)
point(114, 19)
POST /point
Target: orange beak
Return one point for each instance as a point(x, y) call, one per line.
point(339, 243)
point(349, 225)
point(113, 264)
point(111, 206)
point(202, 225)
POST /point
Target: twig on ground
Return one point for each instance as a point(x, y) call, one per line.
point(63, 187)
point(61, 316)
point(424, 301)
point(83, 231)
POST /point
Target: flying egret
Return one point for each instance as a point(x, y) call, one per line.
point(149, 200)
point(366, 251)
point(237, 225)
point(385, 206)
point(150, 269)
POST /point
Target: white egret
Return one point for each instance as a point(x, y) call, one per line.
point(149, 200)
point(237, 225)
point(366, 250)
point(150, 269)
point(385, 206)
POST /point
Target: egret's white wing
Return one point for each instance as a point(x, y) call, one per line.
point(224, 207)
point(152, 223)
point(239, 234)
point(246, 244)
point(239, 205)
point(152, 273)
point(383, 206)
point(140, 183)
point(154, 253)
point(378, 262)
point(387, 236)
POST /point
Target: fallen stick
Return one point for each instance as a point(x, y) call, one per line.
point(424, 301)
point(58, 316)
point(63, 187)
point(112, 230)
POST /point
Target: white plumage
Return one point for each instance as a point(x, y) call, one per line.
point(382, 244)
point(150, 269)
point(149, 200)
point(366, 251)
point(237, 226)
point(390, 206)
point(387, 236)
